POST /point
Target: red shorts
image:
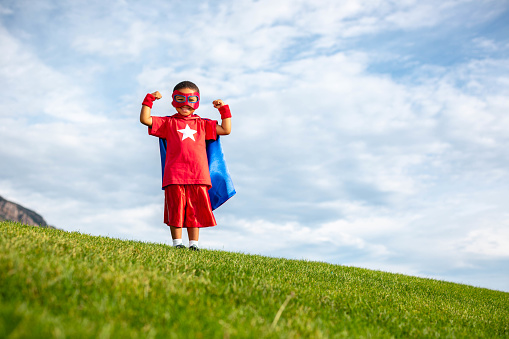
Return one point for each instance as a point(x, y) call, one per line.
point(188, 206)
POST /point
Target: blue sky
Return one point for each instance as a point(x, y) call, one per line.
point(369, 134)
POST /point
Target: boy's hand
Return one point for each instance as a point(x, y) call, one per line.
point(218, 103)
point(157, 95)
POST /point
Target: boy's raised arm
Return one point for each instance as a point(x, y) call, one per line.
point(226, 118)
point(146, 107)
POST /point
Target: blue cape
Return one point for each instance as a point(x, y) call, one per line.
point(222, 186)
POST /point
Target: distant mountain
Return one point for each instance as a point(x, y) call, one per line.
point(14, 212)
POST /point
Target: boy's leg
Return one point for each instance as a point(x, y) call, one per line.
point(198, 213)
point(176, 235)
point(193, 233)
point(176, 232)
point(174, 212)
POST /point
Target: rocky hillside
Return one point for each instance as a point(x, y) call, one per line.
point(14, 212)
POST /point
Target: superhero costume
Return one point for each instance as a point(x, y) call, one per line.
point(219, 181)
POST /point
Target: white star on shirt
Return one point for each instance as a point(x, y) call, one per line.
point(187, 133)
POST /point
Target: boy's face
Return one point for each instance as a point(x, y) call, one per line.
point(185, 110)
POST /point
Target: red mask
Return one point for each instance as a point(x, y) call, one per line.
point(182, 99)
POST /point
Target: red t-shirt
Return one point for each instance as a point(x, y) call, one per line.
point(186, 155)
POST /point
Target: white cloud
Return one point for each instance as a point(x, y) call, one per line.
point(490, 241)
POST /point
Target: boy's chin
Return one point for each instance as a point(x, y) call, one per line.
point(185, 111)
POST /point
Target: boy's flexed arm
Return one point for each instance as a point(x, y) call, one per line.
point(226, 118)
point(146, 107)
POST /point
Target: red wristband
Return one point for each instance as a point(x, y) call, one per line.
point(149, 99)
point(225, 112)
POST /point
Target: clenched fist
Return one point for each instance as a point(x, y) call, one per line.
point(218, 103)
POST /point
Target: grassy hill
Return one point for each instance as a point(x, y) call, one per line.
point(59, 284)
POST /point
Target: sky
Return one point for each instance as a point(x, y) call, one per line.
point(365, 133)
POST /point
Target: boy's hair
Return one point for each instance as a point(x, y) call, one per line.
point(186, 84)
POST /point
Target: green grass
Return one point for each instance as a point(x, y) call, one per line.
point(55, 284)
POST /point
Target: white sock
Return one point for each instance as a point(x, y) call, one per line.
point(193, 242)
point(177, 242)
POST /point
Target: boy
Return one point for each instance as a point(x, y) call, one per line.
point(186, 175)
